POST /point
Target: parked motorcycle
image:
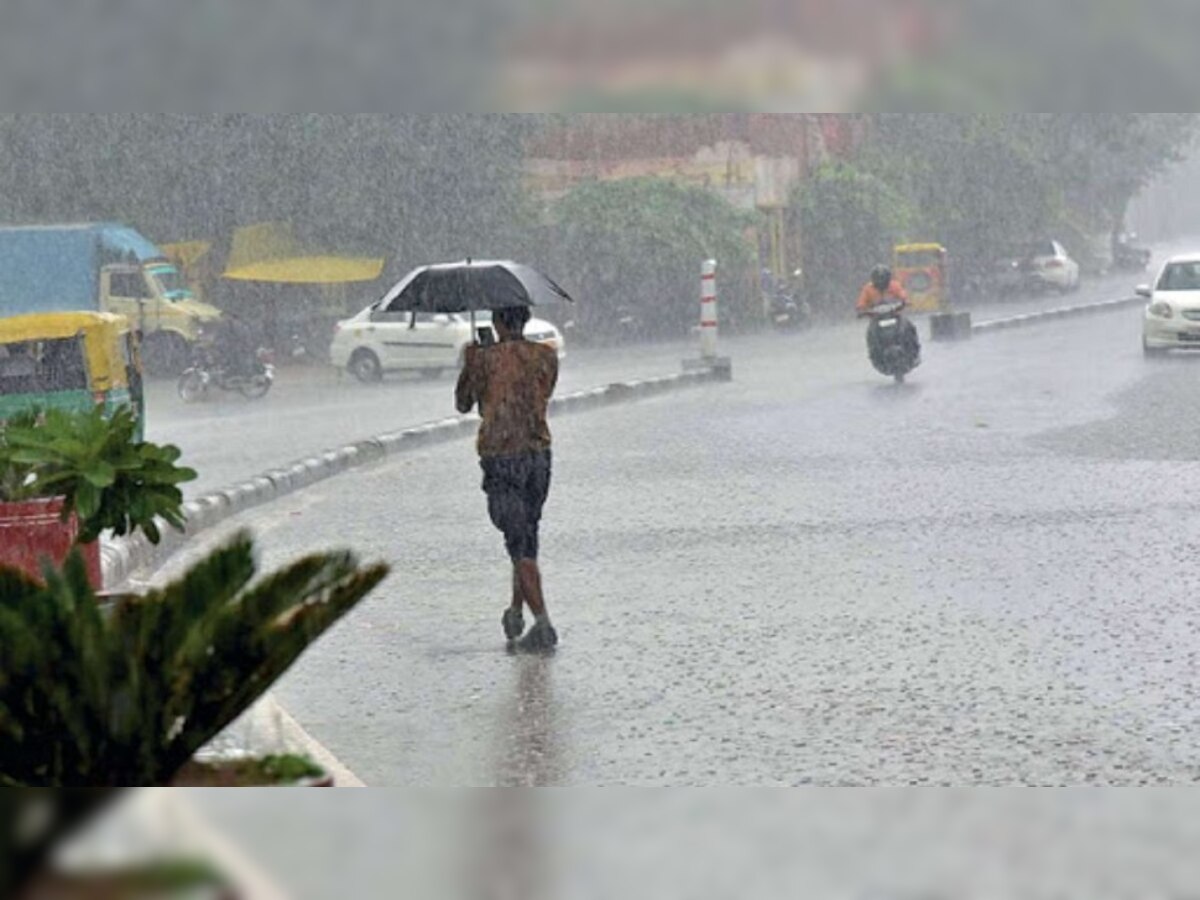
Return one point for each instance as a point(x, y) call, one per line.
point(893, 348)
point(785, 308)
point(1129, 257)
point(206, 373)
point(788, 313)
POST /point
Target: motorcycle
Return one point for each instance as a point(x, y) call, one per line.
point(787, 313)
point(205, 373)
point(887, 340)
point(1127, 256)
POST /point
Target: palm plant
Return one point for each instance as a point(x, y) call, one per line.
point(126, 696)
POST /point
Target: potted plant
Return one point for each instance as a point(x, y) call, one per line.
point(126, 694)
point(66, 477)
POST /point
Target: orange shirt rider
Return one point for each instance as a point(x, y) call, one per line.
point(871, 296)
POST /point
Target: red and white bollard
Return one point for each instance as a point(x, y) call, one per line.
point(708, 325)
point(708, 309)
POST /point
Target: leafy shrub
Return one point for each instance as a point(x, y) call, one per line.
point(93, 462)
point(849, 221)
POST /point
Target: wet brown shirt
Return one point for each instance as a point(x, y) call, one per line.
point(512, 382)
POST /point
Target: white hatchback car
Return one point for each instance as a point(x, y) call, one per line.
point(377, 341)
point(1051, 266)
point(1172, 317)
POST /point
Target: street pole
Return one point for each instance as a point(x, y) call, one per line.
point(708, 359)
point(708, 309)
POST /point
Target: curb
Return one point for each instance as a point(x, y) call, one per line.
point(120, 558)
point(1063, 312)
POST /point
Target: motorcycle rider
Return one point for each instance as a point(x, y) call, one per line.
point(883, 288)
point(233, 345)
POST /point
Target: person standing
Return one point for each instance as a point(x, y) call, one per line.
point(511, 382)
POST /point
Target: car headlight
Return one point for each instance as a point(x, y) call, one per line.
point(1162, 309)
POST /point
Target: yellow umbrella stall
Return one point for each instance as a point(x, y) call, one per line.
point(297, 295)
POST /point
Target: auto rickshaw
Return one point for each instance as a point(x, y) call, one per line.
point(921, 269)
point(71, 361)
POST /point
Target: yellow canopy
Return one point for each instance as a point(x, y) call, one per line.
point(101, 333)
point(186, 254)
point(309, 270)
point(919, 248)
point(53, 325)
point(269, 251)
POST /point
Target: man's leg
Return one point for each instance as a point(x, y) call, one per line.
point(524, 547)
point(503, 498)
point(528, 578)
point(513, 620)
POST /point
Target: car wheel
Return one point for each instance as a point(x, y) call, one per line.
point(255, 387)
point(1152, 352)
point(365, 366)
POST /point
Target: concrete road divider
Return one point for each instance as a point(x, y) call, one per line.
point(1047, 315)
point(121, 558)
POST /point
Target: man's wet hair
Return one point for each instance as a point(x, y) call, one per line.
point(512, 318)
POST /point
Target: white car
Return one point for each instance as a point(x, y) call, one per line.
point(1172, 317)
point(377, 341)
point(1050, 266)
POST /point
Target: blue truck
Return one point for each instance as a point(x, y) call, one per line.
point(108, 267)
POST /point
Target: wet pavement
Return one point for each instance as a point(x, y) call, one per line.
point(808, 576)
point(230, 439)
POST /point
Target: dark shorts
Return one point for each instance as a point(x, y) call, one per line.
point(516, 488)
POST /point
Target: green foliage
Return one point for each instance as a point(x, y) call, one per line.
point(638, 244)
point(93, 461)
point(979, 180)
point(982, 183)
point(124, 698)
point(850, 221)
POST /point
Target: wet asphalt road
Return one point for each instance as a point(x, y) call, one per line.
point(229, 439)
point(808, 576)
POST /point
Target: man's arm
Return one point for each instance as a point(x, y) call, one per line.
point(865, 300)
point(466, 394)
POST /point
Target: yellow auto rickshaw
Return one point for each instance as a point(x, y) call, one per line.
point(72, 361)
point(921, 270)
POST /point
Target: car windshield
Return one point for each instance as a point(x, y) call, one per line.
point(1181, 277)
point(170, 283)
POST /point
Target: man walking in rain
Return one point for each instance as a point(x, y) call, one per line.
point(512, 381)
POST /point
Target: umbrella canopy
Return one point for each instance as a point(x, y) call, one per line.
point(309, 270)
point(470, 286)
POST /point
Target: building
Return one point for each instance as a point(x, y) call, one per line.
point(753, 160)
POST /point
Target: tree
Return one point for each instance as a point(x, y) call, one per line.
point(849, 220)
point(637, 245)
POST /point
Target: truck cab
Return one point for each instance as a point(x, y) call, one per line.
point(154, 298)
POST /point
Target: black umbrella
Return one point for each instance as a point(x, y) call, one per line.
point(471, 286)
